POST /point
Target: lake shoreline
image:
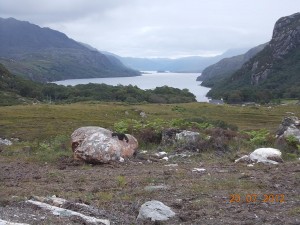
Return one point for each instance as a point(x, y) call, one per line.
point(150, 80)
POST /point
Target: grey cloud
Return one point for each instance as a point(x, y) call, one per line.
point(157, 28)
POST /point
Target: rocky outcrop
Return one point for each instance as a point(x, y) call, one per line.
point(290, 126)
point(99, 145)
point(226, 67)
point(272, 73)
point(286, 38)
point(155, 211)
point(286, 35)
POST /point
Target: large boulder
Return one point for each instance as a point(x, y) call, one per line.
point(99, 145)
point(290, 126)
point(155, 211)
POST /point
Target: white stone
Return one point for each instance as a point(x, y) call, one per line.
point(198, 170)
point(263, 155)
point(187, 136)
point(4, 222)
point(160, 154)
point(68, 213)
point(155, 211)
point(5, 142)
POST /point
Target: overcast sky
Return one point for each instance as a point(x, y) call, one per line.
point(157, 28)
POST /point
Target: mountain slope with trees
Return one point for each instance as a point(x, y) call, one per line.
point(18, 90)
point(43, 54)
point(273, 73)
point(225, 67)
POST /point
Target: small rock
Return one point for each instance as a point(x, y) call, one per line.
point(160, 154)
point(198, 170)
point(5, 142)
point(155, 211)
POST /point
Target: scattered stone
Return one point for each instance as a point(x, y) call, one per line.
point(5, 142)
point(161, 154)
point(97, 145)
point(155, 211)
point(143, 114)
point(199, 170)
point(165, 158)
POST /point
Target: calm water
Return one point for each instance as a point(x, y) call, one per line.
point(150, 81)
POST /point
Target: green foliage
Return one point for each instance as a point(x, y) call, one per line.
point(121, 181)
point(292, 140)
point(259, 137)
point(52, 149)
point(282, 82)
point(12, 88)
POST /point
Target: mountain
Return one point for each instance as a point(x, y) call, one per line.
point(44, 54)
point(184, 64)
point(225, 67)
point(273, 73)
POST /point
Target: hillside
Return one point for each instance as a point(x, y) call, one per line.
point(184, 64)
point(18, 90)
point(43, 54)
point(225, 67)
point(273, 73)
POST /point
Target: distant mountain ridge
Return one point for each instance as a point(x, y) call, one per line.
point(271, 74)
point(44, 54)
point(227, 66)
point(184, 64)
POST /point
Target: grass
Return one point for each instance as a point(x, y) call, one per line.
point(42, 122)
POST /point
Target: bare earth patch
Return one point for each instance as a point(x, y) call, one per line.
point(225, 193)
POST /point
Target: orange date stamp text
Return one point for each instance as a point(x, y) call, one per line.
point(252, 198)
